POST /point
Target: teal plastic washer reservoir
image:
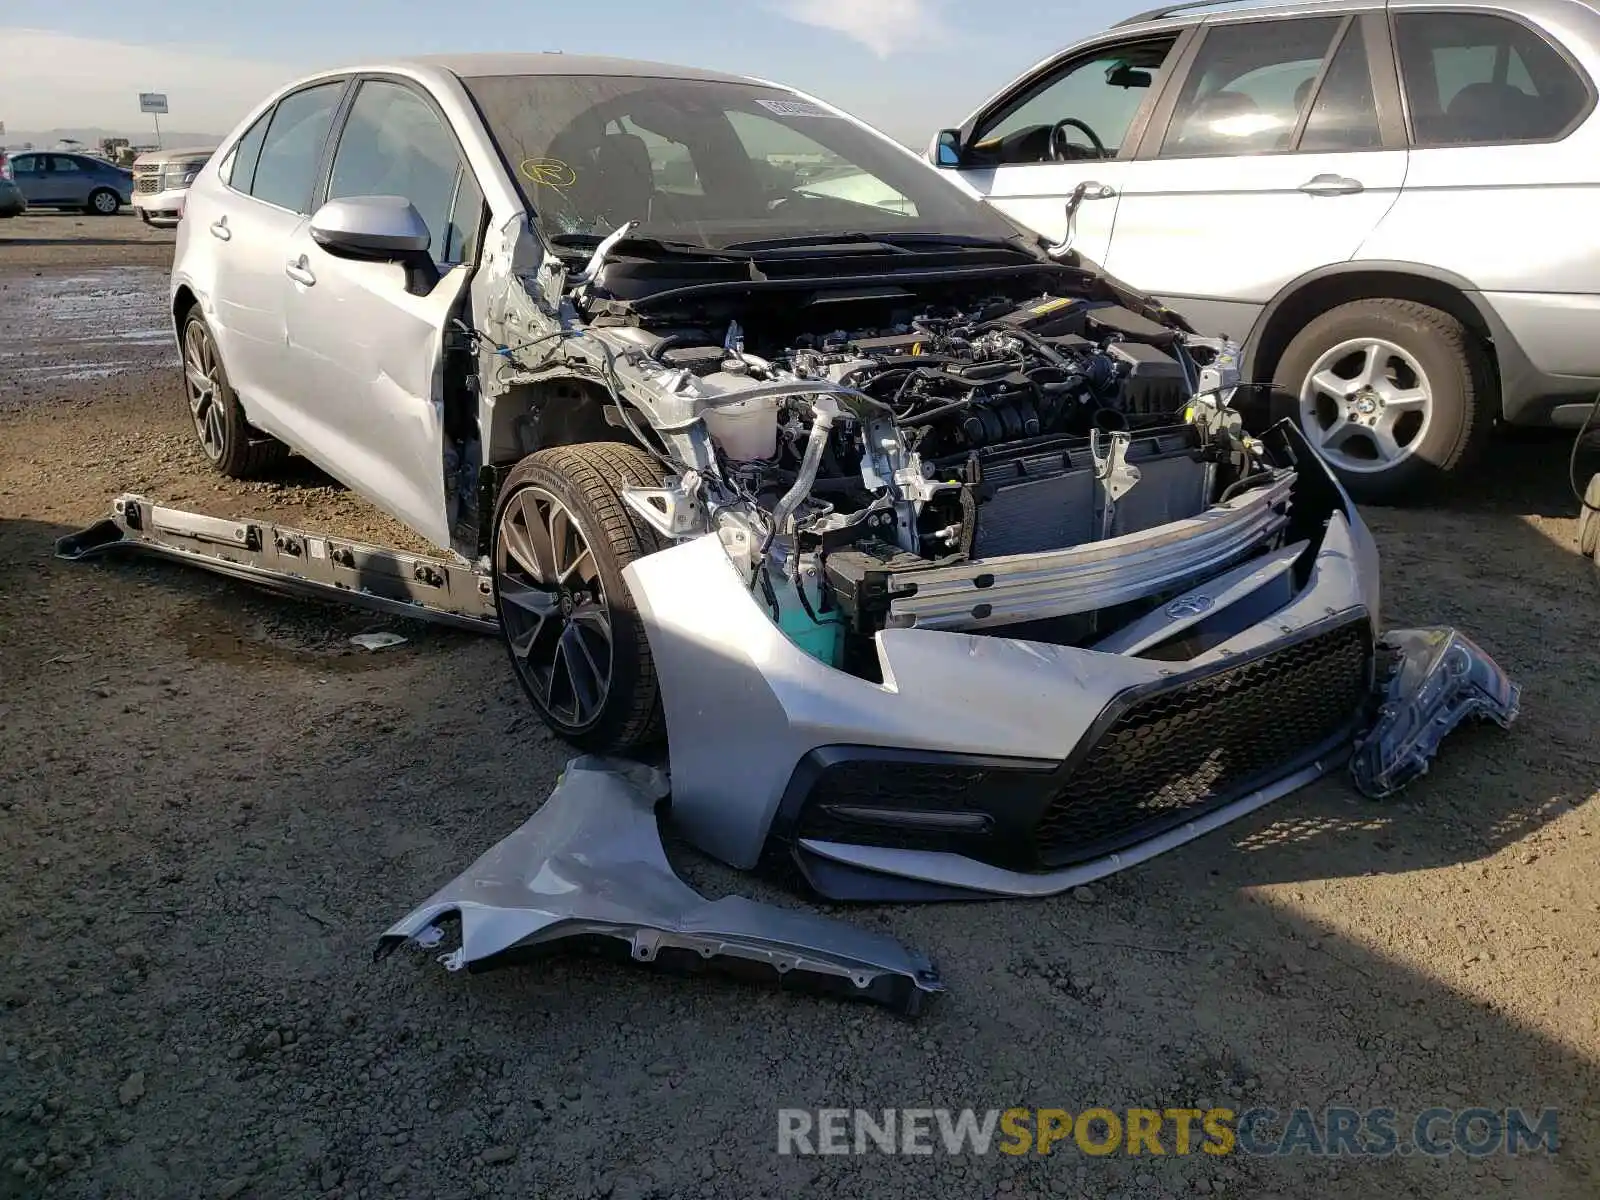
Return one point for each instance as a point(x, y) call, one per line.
point(822, 638)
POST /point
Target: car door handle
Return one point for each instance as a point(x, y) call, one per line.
point(299, 270)
point(220, 230)
point(1332, 185)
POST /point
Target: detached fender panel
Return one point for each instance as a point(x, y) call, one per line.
point(589, 866)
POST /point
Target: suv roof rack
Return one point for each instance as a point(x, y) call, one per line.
point(1172, 10)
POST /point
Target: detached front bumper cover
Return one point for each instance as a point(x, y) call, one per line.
point(1440, 680)
point(589, 865)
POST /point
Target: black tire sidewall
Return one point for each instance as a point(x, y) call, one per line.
point(631, 670)
point(1450, 376)
point(235, 430)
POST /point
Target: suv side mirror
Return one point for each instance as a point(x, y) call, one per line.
point(378, 229)
point(947, 149)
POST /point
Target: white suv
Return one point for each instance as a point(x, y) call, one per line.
point(1391, 204)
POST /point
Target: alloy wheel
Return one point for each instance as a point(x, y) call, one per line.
point(105, 203)
point(553, 608)
point(1366, 405)
point(203, 382)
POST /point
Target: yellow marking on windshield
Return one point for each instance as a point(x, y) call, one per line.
point(548, 172)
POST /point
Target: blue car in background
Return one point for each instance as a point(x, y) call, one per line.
point(56, 179)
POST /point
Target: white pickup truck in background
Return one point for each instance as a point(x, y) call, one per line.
point(160, 179)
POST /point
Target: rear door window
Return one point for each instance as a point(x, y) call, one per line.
point(1478, 79)
point(1248, 87)
point(286, 173)
point(1344, 115)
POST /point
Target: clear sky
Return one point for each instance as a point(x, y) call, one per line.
point(908, 66)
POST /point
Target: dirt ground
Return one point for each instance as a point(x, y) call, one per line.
point(212, 805)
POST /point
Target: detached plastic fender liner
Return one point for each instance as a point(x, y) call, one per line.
point(588, 867)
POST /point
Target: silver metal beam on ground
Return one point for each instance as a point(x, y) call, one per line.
point(295, 562)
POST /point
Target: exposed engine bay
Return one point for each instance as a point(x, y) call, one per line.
point(849, 468)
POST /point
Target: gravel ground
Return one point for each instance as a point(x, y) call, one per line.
point(212, 806)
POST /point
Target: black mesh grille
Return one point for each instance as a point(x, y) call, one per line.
point(1171, 755)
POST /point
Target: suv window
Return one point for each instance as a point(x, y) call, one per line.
point(1471, 78)
point(1248, 87)
point(394, 144)
point(1105, 93)
point(1344, 116)
point(286, 172)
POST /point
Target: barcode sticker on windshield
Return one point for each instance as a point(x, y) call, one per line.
point(795, 108)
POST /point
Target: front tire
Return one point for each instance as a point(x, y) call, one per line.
point(562, 538)
point(103, 202)
point(1394, 395)
point(226, 437)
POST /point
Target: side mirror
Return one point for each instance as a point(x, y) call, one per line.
point(378, 229)
point(947, 149)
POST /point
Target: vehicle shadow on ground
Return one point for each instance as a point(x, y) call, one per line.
point(1524, 471)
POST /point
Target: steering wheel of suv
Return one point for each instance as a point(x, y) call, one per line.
point(1064, 149)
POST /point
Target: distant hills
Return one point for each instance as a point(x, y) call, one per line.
point(45, 139)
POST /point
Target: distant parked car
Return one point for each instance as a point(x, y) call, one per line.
point(1390, 204)
point(12, 202)
point(53, 179)
point(160, 180)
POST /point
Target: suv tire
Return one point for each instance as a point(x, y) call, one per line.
point(1393, 394)
point(230, 443)
point(562, 538)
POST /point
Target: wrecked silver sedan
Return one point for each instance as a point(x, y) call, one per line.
point(942, 561)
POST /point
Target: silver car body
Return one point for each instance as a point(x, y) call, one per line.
point(1277, 580)
point(1504, 227)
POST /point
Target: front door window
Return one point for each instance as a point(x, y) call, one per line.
point(1084, 112)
